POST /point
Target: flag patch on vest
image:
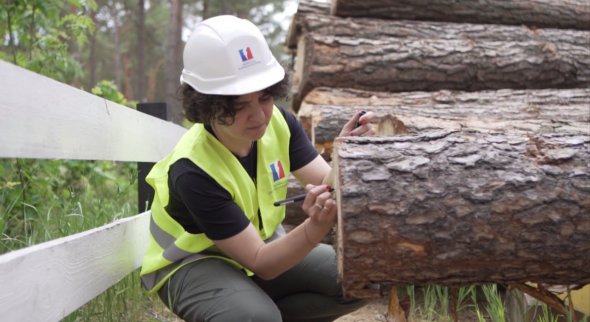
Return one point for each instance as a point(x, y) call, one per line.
point(277, 170)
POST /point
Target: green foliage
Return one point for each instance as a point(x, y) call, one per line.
point(108, 89)
point(495, 305)
point(45, 199)
point(41, 33)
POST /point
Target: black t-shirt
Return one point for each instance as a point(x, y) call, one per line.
point(201, 205)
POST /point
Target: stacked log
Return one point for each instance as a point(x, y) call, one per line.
point(459, 207)
point(399, 56)
point(572, 14)
point(483, 175)
point(325, 110)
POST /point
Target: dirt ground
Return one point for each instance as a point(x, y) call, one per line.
point(375, 310)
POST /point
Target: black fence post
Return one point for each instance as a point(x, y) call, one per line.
point(145, 193)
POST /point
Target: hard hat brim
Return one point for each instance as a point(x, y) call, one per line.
point(236, 85)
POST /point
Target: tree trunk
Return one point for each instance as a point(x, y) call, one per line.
point(572, 14)
point(174, 61)
point(205, 12)
point(128, 72)
point(325, 111)
point(113, 11)
point(462, 207)
point(152, 79)
point(415, 64)
point(140, 49)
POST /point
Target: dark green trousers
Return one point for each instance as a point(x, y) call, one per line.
point(213, 290)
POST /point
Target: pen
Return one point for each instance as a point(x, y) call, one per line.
point(293, 199)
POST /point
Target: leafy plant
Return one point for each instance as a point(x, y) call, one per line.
point(107, 89)
point(45, 199)
point(40, 34)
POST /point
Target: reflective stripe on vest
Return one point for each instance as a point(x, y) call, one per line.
point(171, 246)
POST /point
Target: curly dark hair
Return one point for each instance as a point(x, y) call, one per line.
point(206, 108)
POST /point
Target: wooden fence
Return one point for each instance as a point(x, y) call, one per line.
point(44, 119)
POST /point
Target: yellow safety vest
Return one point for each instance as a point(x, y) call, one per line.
point(171, 246)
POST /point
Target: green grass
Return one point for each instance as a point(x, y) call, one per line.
point(481, 303)
point(41, 200)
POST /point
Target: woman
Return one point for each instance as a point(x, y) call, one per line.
point(218, 251)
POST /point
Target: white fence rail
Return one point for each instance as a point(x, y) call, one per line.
point(44, 119)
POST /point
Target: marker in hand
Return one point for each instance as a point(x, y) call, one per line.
point(294, 199)
point(358, 120)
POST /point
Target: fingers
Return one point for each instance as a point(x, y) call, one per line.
point(363, 130)
point(316, 195)
point(324, 214)
point(359, 124)
point(318, 202)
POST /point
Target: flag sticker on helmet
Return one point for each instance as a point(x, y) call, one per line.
point(246, 54)
point(277, 170)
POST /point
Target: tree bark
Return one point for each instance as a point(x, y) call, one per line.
point(140, 49)
point(571, 14)
point(304, 8)
point(462, 207)
point(325, 111)
point(309, 21)
point(174, 61)
point(114, 13)
point(415, 64)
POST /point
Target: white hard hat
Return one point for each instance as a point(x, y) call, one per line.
point(227, 55)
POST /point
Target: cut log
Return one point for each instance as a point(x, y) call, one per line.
point(325, 111)
point(304, 8)
point(414, 64)
point(571, 14)
point(462, 207)
point(310, 21)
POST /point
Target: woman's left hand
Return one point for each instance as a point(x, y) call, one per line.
point(359, 125)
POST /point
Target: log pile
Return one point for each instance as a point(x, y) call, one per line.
point(398, 56)
point(483, 172)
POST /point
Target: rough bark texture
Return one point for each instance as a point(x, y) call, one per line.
point(461, 207)
point(326, 110)
point(414, 64)
point(304, 8)
point(173, 64)
point(571, 14)
point(308, 21)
